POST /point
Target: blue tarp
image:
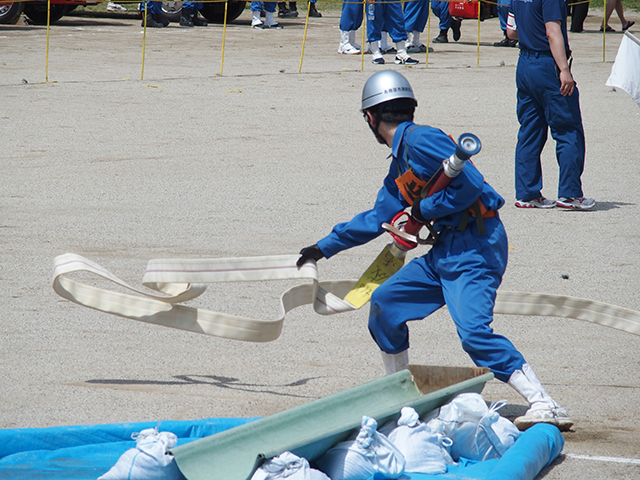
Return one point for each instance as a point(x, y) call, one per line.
point(88, 451)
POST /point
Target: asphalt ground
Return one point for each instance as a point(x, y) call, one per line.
point(263, 160)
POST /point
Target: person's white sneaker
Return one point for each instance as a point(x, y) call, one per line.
point(557, 416)
point(536, 203)
point(348, 49)
point(576, 203)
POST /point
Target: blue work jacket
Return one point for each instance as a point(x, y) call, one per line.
point(422, 149)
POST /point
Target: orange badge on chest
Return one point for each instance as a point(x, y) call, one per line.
point(410, 186)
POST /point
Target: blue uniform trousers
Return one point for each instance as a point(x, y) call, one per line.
point(541, 107)
point(153, 8)
point(462, 270)
point(416, 14)
point(192, 6)
point(385, 16)
point(268, 6)
point(351, 17)
point(503, 14)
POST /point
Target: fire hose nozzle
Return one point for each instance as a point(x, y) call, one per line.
point(468, 145)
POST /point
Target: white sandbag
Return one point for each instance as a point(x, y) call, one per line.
point(149, 459)
point(289, 466)
point(478, 432)
point(359, 458)
point(424, 450)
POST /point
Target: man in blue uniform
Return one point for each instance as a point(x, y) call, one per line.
point(387, 14)
point(416, 14)
point(350, 21)
point(547, 99)
point(153, 13)
point(464, 267)
point(189, 15)
point(503, 15)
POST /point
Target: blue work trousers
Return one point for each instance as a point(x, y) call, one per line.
point(268, 6)
point(416, 14)
point(503, 14)
point(153, 8)
point(351, 17)
point(540, 108)
point(385, 16)
point(192, 6)
point(462, 270)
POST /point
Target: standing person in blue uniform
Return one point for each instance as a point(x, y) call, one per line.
point(441, 10)
point(269, 21)
point(464, 267)
point(189, 15)
point(416, 14)
point(387, 14)
point(547, 99)
point(503, 15)
point(350, 21)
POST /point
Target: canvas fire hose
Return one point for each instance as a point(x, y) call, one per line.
point(172, 282)
point(177, 281)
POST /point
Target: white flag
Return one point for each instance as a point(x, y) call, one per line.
point(625, 73)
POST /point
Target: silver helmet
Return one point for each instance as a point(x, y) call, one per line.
point(384, 86)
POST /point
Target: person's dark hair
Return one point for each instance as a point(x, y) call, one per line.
point(395, 111)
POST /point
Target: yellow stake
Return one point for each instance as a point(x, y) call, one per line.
point(478, 52)
point(304, 39)
point(46, 63)
point(144, 39)
point(604, 34)
point(364, 26)
point(426, 65)
point(224, 34)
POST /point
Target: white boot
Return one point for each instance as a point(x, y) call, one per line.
point(413, 43)
point(542, 408)
point(255, 20)
point(384, 44)
point(269, 21)
point(376, 54)
point(402, 57)
point(395, 362)
point(352, 40)
point(346, 47)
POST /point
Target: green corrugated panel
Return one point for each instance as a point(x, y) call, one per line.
point(310, 429)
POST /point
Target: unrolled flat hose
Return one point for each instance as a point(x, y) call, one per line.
point(179, 280)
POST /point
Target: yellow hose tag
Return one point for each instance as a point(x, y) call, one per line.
point(380, 270)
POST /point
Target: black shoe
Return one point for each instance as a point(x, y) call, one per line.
point(198, 21)
point(153, 23)
point(286, 13)
point(505, 42)
point(442, 38)
point(455, 27)
point(312, 10)
point(186, 18)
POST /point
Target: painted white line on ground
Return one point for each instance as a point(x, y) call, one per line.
point(605, 459)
